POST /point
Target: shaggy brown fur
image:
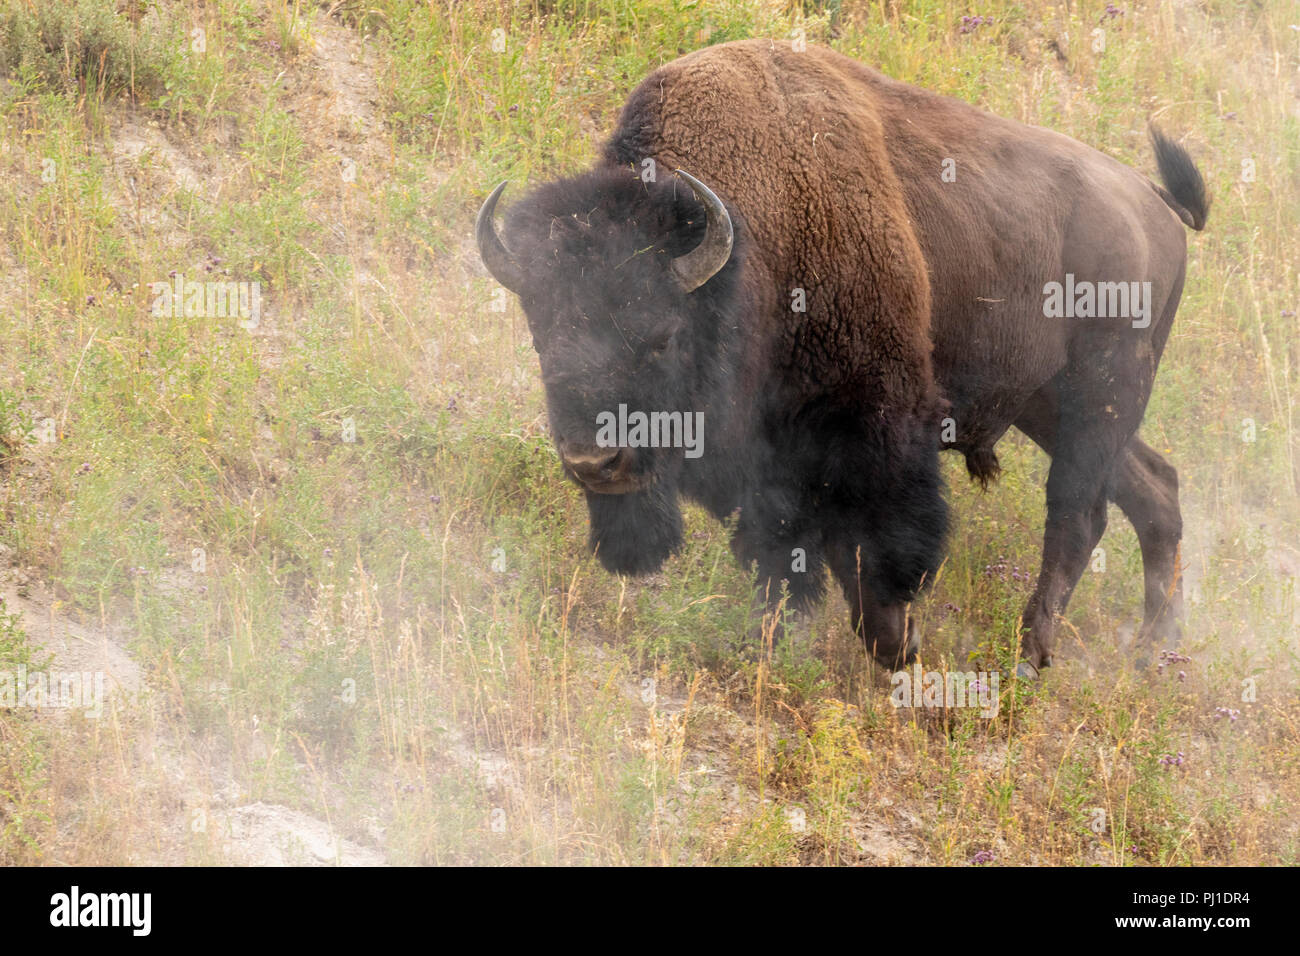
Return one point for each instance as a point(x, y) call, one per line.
point(925, 317)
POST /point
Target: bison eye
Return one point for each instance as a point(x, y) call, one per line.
point(659, 344)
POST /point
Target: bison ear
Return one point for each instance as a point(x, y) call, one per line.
point(704, 261)
point(493, 252)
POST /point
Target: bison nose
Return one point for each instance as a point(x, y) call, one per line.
point(592, 464)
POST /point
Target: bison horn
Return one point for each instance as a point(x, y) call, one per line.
point(493, 252)
point(703, 262)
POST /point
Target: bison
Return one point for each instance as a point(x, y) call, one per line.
point(846, 275)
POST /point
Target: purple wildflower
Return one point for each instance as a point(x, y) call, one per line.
point(971, 24)
point(1170, 657)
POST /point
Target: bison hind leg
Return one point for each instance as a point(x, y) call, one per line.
point(1145, 487)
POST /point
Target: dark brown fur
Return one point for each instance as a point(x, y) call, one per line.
point(925, 300)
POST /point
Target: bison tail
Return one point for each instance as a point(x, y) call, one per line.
point(1184, 188)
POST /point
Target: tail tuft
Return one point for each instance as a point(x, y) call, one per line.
point(1184, 187)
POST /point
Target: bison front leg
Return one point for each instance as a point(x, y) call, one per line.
point(789, 567)
point(884, 627)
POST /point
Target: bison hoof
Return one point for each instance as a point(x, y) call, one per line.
point(1026, 671)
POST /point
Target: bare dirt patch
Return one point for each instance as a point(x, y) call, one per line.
point(253, 834)
point(73, 646)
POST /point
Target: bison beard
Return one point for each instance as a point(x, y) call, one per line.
point(922, 327)
point(636, 532)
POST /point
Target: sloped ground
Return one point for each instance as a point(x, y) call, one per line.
point(253, 834)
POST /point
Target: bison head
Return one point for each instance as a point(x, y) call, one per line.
point(627, 287)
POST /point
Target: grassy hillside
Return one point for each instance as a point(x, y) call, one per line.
point(337, 544)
